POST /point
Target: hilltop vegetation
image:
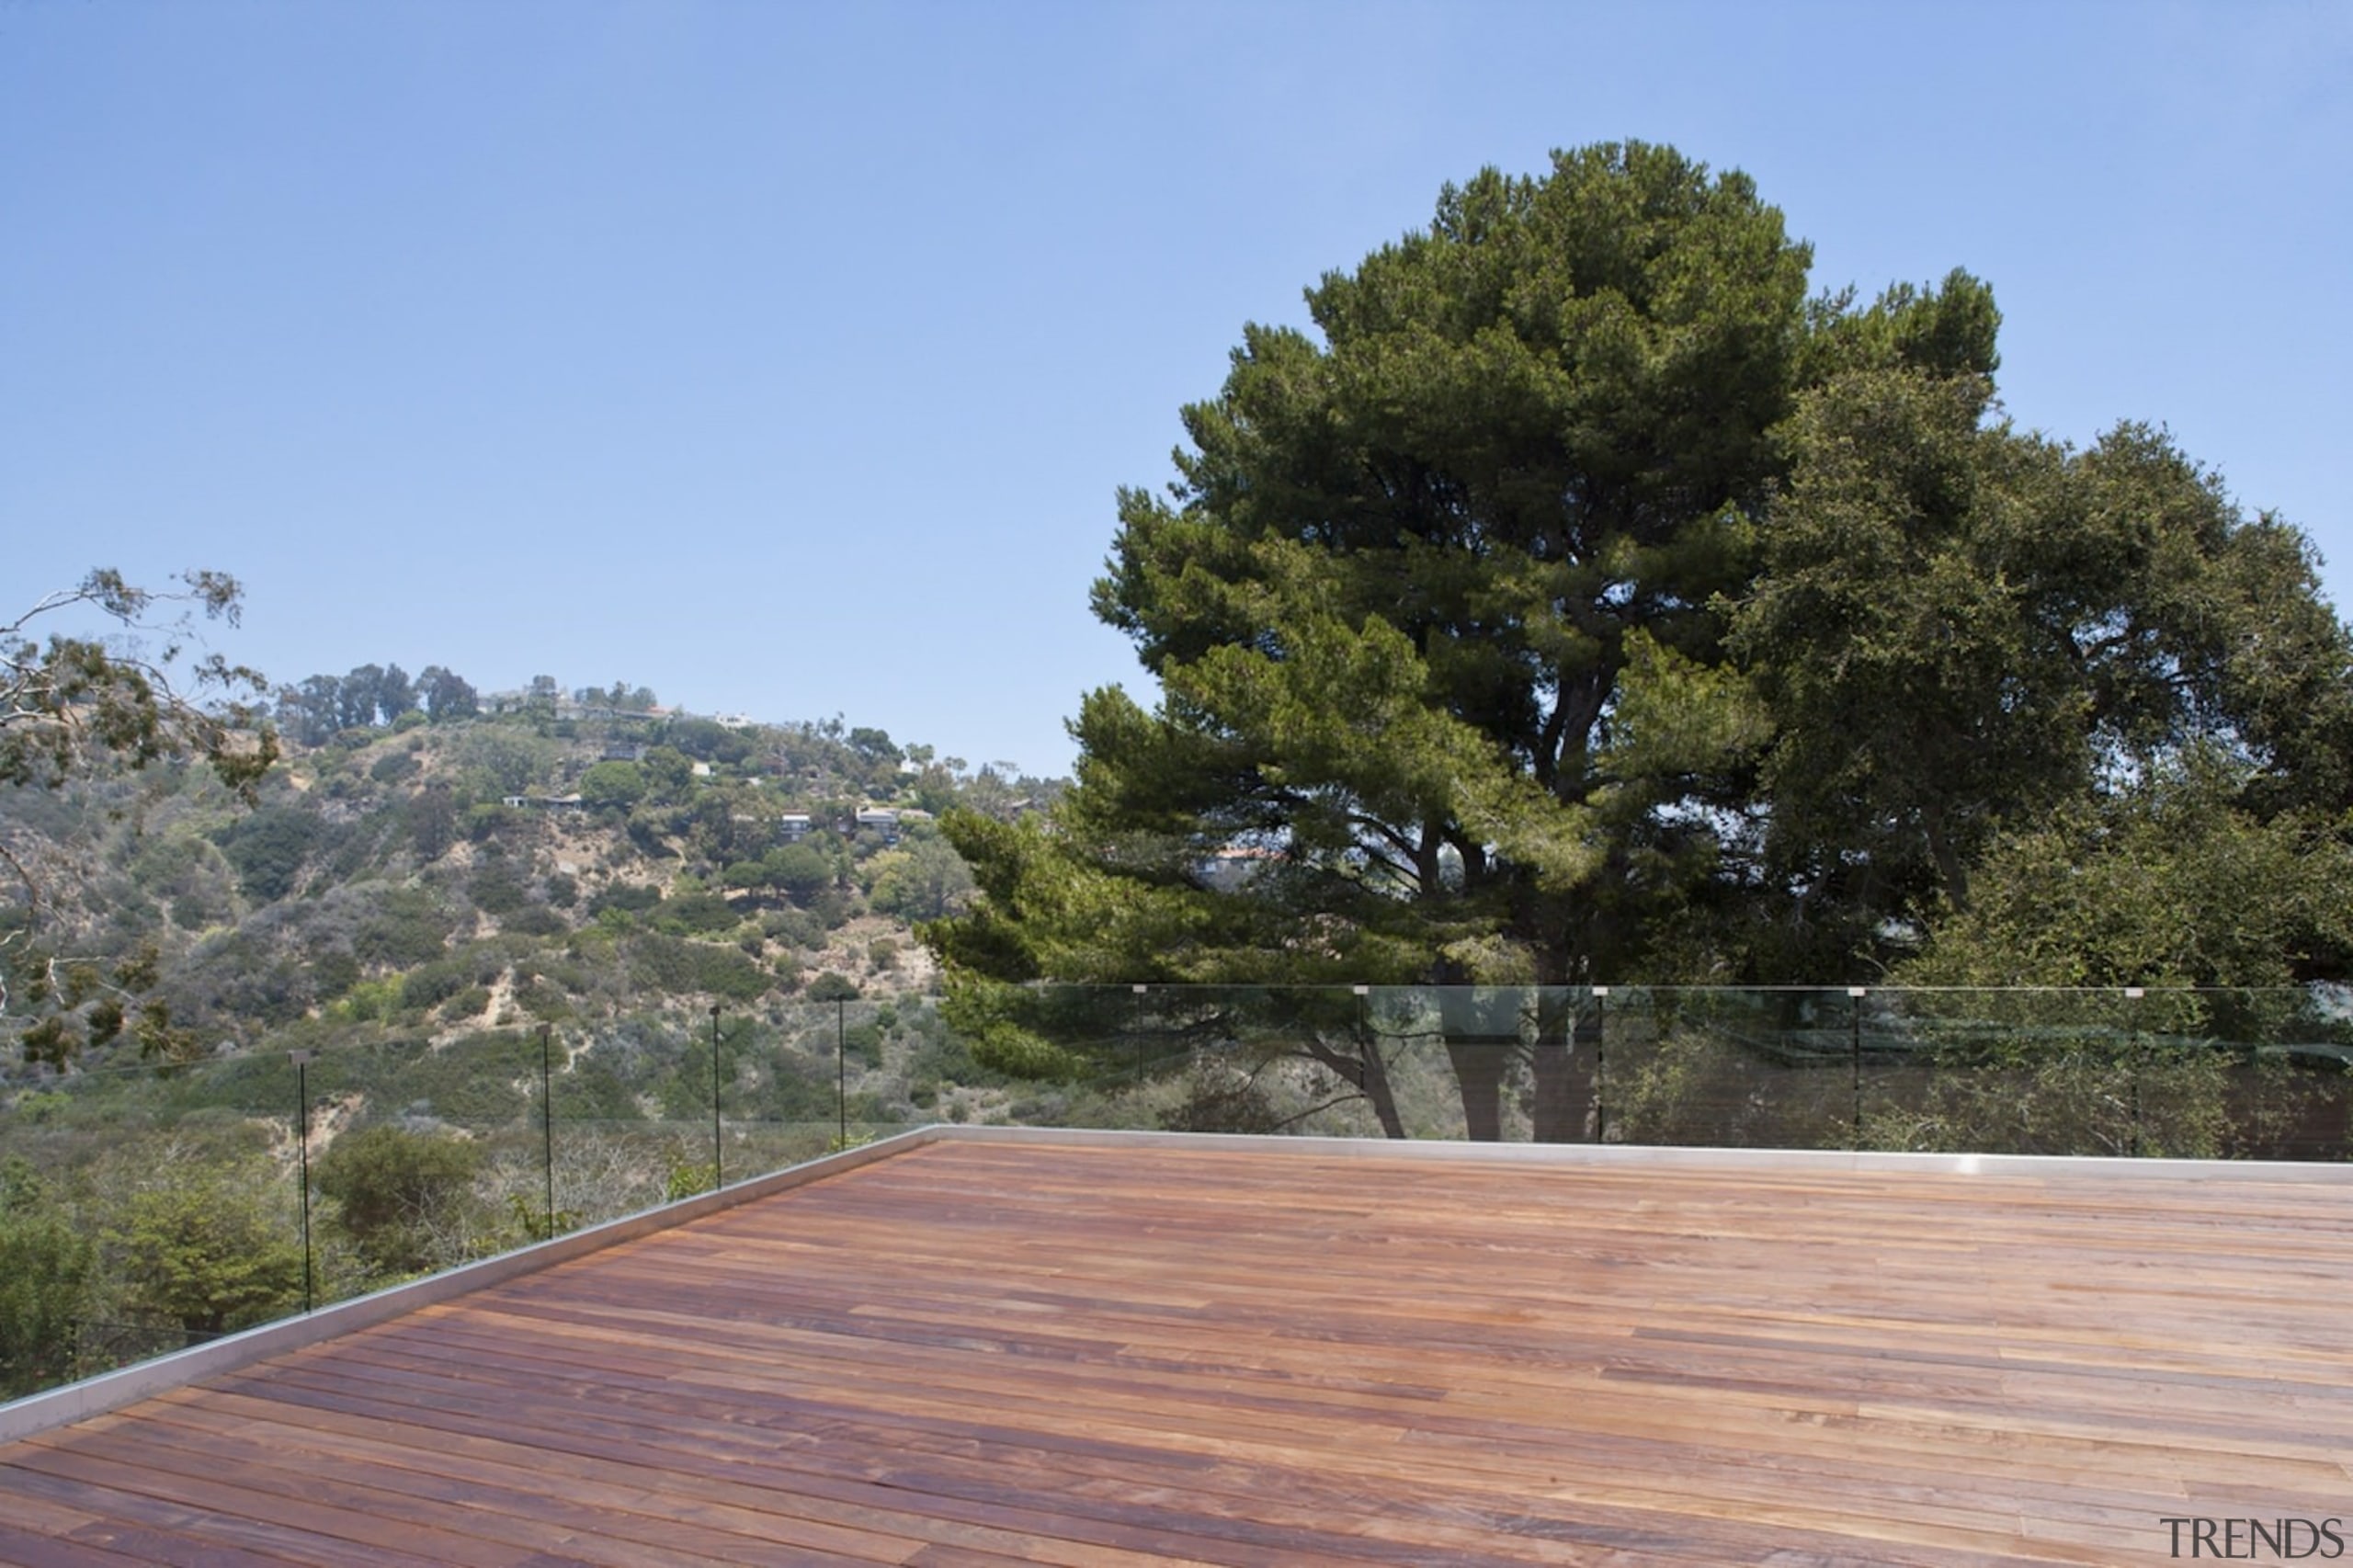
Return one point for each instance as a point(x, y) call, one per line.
point(553, 863)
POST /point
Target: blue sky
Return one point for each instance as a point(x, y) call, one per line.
point(785, 358)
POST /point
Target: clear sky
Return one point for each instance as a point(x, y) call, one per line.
point(785, 358)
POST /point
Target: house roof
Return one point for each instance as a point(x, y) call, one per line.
point(977, 1347)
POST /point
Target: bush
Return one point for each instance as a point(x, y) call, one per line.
point(673, 965)
point(403, 1196)
point(205, 1249)
point(466, 1004)
point(496, 887)
point(45, 1267)
point(794, 929)
point(631, 897)
point(696, 914)
point(832, 987)
point(491, 821)
point(268, 847)
point(435, 983)
point(535, 920)
point(410, 926)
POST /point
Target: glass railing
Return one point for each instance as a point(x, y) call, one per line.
point(143, 1208)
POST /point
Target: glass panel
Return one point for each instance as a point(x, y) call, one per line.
point(146, 1209)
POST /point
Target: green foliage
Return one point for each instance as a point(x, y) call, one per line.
point(794, 929)
point(467, 1004)
point(615, 784)
point(68, 700)
point(46, 1271)
point(535, 1223)
point(697, 914)
point(498, 886)
point(1404, 574)
point(484, 1079)
point(1579, 604)
point(207, 1246)
point(269, 846)
point(680, 967)
point(831, 988)
point(1959, 627)
point(191, 872)
point(925, 880)
point(688, 1179)
point(669, 773)
point(403, 1196)
point(2174, 881)
point(408, 927)
point(707, 740)
point(490, 821)
point(801, 870)
point(503, 760)
point(625, 896)
point(373, 999)
point(431, 984)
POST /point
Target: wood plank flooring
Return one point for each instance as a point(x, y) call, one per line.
point(996, 1354)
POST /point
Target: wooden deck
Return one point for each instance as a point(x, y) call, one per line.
point(976, 1353)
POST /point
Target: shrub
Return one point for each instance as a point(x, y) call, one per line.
point(403, 1196)
point(676, 966)
point(632, 897)
point(535, 920)
point(45, 1267)
point(496, 887)
point(268, 847)
point(466, 1004)
point(205, 1249)
point(696, 914)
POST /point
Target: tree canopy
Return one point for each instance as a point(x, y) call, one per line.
point(1580, 601)
point(142, 696)
point(63, 696)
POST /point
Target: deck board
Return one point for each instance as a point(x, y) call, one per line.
point(982, 1354)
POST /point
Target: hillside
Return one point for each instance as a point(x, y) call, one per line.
point(482, 872)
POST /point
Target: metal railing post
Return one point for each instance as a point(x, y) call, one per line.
point(302, 1146)
point(1601, 1064)
point(547, 1121)
point(1139, 995)
point(1855, 1052)
point(718, 1158)
point(2134, 994)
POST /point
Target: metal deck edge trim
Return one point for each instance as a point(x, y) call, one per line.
point(111, 1391)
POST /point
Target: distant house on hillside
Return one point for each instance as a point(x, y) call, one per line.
point(793, 826)
point(543, 803)
point(881, 822)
